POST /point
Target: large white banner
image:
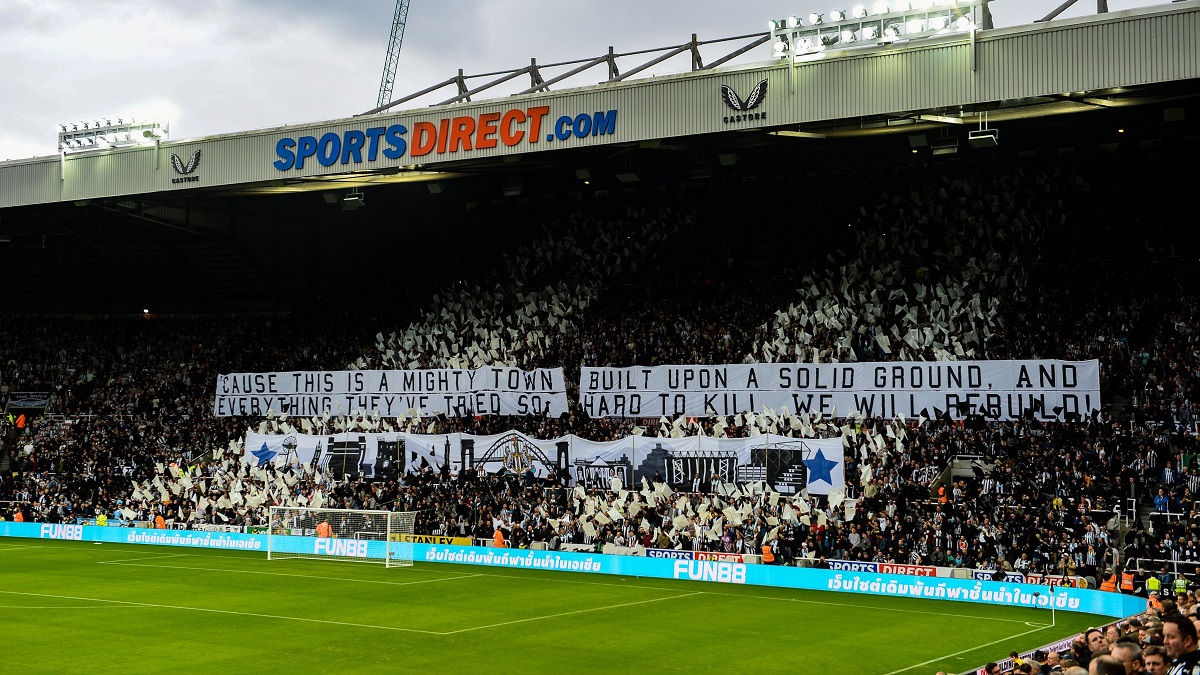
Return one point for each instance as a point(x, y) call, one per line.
point(697, 463)
point(393, 393)
point(1003, 390)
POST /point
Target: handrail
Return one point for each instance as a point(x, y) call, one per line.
point(610, 59)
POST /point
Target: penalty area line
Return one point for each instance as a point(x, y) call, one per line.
point(456, 577)
point(577, 611)
point(157, 556)
point(756, 597)
point(227, 611)
point(968, 650)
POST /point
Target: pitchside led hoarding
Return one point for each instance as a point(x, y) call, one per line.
point(717, 571)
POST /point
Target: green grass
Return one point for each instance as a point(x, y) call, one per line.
point(80, 607)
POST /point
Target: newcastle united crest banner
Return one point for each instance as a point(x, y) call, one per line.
point(782, 464)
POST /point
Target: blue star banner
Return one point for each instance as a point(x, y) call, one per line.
point(771, 462)
point(825, 464)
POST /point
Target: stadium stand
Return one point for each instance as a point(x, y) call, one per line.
point(994, 258)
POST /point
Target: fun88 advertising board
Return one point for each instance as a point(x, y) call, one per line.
point(715, 571)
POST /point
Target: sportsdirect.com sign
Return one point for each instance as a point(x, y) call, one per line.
point(515, 127)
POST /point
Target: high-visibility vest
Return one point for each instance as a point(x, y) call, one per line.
point(1109, 584)
point(159, 523)
point(1153, 583)
point(768, 555)
point(942, 494)
point(324, 529)
point(1181, 585)
point(102, 520)
point(1127, 581)
point(498, 539)
point(19, 517)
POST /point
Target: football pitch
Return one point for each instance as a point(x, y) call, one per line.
point(114, 608)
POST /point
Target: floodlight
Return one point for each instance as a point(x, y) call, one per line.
point(837, 15)
point(513, 188)
point(829, 39)
point(780, 45)
point(848, 36)
point(628, 177)
point(880, 7)
point(901, 5)
point(858, 12)
point(944, 146)
point(984, 138)
point(353, 200)
point(774, 24)
point(870, 32)
point(937, 22)
point(964, 23)
point(794, 22)
point(892, 31)
point(914, 26)
point(815, 19)
point(922, 5)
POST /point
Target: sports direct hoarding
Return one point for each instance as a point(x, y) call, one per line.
point(717, 571)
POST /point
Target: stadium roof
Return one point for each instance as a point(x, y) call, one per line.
point(1128, 58)
point(227, 230)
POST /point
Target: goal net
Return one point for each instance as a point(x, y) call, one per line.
point(341, 534)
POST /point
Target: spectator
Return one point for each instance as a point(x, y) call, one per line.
point(1179, 639)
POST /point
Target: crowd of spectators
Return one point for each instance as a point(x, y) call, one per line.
point(1161, 640)
point(988, 260)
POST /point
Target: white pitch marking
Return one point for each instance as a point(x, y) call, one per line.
point(971, 649)
point(66, 607)
point(227, 611)
point(9, 547)
point(884, 609)
point(762, 597)
point(157, 556)
point(577, 611)
point(302, 576)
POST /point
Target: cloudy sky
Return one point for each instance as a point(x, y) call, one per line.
point(219, 66)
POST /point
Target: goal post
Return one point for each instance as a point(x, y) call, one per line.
point(348, 535)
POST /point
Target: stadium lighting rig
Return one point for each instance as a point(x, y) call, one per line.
point(106, 132)
point(886, 21)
